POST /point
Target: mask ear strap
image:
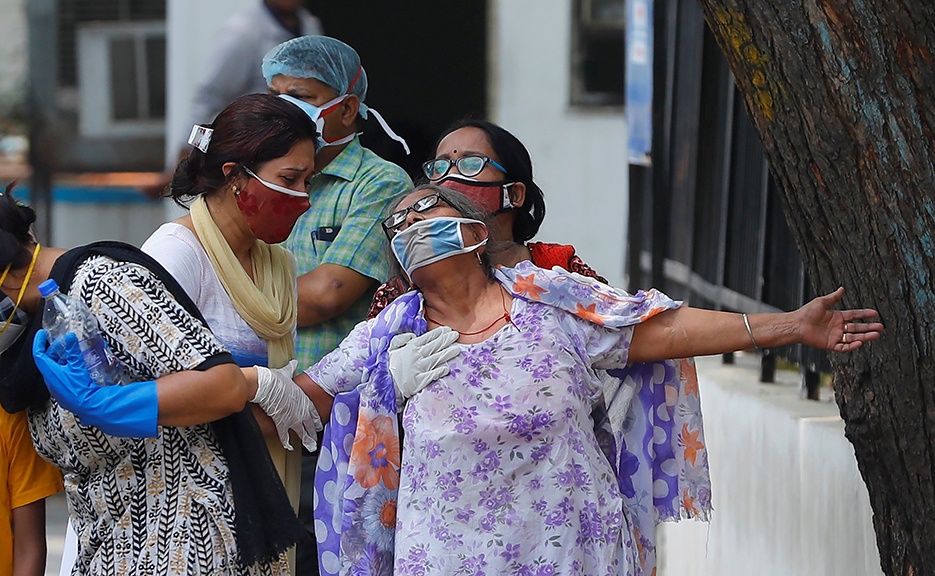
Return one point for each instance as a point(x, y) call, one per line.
point(22, 288)
point(389, 131)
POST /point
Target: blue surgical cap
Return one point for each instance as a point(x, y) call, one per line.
point(325, 59)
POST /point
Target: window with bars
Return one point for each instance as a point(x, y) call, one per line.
point(73, 13)
point(112, 56)
point(597, 59)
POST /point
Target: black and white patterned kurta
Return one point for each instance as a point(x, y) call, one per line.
point(160, 506)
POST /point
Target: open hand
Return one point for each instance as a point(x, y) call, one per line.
point(836, 330)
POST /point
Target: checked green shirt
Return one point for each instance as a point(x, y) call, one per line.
point(351, 196)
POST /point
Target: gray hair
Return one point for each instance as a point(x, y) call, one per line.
point(461, 203)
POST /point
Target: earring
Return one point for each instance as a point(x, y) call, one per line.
point(479, 261)
point(235, 190)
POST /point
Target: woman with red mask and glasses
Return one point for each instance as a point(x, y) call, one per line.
point(168, 473)
point(489, 165)
point(496, 469)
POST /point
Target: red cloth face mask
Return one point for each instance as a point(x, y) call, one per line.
point(491, 197)
point(271, 212)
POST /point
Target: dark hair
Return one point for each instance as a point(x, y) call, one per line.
point(251, 130)
point(515, 158)
point(16, 220)
point(461, 203)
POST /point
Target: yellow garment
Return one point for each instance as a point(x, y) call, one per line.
point(268, 302)
point(269, 305)
point(24, 477)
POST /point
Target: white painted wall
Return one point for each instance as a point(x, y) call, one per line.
point(79, 223)
point(192, 27)
point(191, 31)
point(787, 495)
point(13, 49)
point(579, 157)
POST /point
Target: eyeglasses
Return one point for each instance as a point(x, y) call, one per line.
point(469, 166)
point(396, 219)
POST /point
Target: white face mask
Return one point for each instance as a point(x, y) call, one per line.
point(428, 241)
point(317, 114)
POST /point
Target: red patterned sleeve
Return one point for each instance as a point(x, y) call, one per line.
point(547, 255)
point(386, 293)
point(576, 265)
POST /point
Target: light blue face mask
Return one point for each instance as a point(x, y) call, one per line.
point(317, 114)
point(428, 241)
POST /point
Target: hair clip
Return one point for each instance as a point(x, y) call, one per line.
point(201, 137)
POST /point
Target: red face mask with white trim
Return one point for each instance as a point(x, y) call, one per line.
point(491, 197)
point(271, 210)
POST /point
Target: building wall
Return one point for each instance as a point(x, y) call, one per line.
point(13, 53)
point(787, 495)
point(191, 31)
point(579, 156)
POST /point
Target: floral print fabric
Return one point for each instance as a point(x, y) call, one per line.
point(501, 470)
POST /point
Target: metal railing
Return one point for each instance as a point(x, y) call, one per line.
point(706, 220)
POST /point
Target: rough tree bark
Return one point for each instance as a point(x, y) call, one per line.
point(842, 93)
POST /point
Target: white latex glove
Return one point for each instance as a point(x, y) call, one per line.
point(417, 361)
point(287, 405)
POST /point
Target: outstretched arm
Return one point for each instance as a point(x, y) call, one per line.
point(687, 331)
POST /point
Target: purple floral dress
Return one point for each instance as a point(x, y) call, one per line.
point(507, 475)
point(499, 468)
point(501, 471)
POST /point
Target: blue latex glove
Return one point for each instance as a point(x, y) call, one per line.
point(129, 410)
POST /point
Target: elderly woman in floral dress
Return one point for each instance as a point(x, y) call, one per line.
point(498, 469)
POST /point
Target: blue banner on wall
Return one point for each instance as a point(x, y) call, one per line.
point(639, 81)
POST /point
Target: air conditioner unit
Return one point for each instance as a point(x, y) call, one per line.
point(122, 79)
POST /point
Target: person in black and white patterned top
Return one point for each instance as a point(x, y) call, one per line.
point(167, 474)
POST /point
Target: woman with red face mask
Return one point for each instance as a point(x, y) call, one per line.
point(178, 421)
point(245, 183)
point(491, 166)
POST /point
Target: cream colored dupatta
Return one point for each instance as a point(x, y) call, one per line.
point(268, 303)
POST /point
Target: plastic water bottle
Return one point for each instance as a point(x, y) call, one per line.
point(63, 314)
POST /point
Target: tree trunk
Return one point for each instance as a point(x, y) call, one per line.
point(841, 92)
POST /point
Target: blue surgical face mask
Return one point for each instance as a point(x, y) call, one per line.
point(428, 241)
point(317, 114)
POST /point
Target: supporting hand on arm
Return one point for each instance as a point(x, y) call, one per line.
point(130, 410)
point(287, 405)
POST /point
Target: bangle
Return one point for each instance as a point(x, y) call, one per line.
point(750, 332)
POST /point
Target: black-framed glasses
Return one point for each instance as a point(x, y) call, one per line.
point(470, 165)
point(396, 219)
